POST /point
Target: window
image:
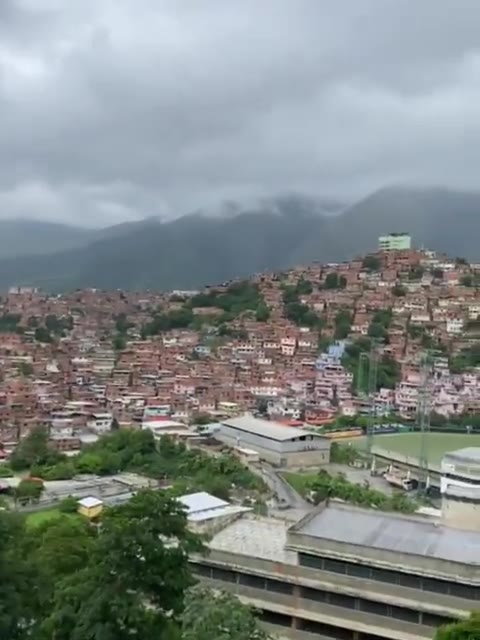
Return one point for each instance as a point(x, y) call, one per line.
point(408, 580)
point(390, 577)
point(383, 575)
point(464, 591)
point(306, 560)
point(325, 630)
point(436, 586)
point(408, 615)
point(341, 600)
point(279, 587)
point(251, 581)
point(314, 594)
point(358, 570)
point(201, 570)
point(272, 617)
point(377, 608)
point(335, 566)
point(432, 620)
point(223, 574)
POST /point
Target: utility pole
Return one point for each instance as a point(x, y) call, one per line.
point(372, 390)
point(423, 421)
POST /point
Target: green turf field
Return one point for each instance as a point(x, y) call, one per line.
point(408, 444)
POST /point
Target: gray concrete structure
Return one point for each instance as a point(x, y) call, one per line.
point(460, 488)
point(348, 573)
point(276, 443)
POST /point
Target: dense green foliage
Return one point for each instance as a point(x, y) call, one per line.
point(239, 297)
point(218, 616)
point(371, 263)
point(295, 310)
point(136, 450)
point(464, 630)
point(9, 322)
point(343, 324)
point(335, 281)
point(388, 369)
point(323, 486)
point(69, 580)
point(467, 359)
point(34, 451)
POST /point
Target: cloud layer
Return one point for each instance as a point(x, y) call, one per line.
point(112, 109)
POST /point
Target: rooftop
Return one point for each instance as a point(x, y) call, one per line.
point(412, 535)
point(467, 454)
point(267, 428)
point(263, 538)
point(90, 502)
point(203, 506)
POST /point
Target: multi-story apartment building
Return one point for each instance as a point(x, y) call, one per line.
point(395, 242)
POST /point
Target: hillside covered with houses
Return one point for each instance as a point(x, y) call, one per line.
point(295, 345)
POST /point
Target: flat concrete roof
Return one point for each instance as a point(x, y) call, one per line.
point(256, 537)
point(467, 454)
point(391, 532)
point(267, 428)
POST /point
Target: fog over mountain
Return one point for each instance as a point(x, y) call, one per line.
point(197, 249)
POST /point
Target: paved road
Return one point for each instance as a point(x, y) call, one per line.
point(287, 502)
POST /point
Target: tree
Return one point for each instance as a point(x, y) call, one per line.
point(33, 449)
point(134, 582)
point(26, 369)
point(334, 281)
point(28, 490)
point(68, 505)
point(372, 263)
point(304, 287)
point(215, 614)
point(377, 330)
point(467, 280)
point(399, 291)
point(262, 313)
point(464, 630)
point(54, 550)
point(43, 335)
point(119, 342)
point(14, 578)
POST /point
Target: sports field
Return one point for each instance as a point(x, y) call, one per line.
point(408, 444)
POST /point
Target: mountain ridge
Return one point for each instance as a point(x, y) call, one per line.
point(196, 250)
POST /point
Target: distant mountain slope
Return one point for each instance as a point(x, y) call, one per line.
point(196, 250)
point(28, 237)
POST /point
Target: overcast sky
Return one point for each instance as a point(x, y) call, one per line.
point(119, 109)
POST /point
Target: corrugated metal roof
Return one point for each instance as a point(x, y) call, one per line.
point(201, 501)
point(267, 428)
point(393, 533)
point(203, 506)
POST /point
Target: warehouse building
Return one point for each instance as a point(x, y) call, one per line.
point(352, 573)
point(274, 442)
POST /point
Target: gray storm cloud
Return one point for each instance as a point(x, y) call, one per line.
point(113, 110)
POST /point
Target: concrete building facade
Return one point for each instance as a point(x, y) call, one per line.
point(460, 488)
point(275, 443)
point(347, 573)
